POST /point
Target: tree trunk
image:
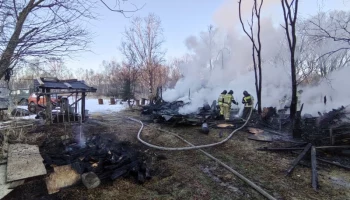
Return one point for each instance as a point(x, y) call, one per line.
point(293, 107)
point(7, 54)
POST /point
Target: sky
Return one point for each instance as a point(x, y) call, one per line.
point(180, 19)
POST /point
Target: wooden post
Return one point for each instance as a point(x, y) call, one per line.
point(314, 178)
point(83, 106)
point(76, 104)
point(48, 106)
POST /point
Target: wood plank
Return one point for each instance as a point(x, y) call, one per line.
point(297, 160)
point(24, 161)
point(314, 178)
point(6, 188)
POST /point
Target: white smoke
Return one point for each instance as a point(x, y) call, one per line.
point(205, 85)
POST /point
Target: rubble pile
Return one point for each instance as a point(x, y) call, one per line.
point(168, 112)
point(329, 128)
point(109, 160)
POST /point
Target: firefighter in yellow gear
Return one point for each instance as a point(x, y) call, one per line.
point(221, 102)
point(227, 104)
point(248, 101)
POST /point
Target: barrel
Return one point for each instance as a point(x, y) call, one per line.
point(112, 101)
point(143, 101)
point(100, 101)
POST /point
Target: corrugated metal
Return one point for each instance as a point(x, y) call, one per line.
point(76, 85)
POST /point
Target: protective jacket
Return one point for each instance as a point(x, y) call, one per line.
point(229, 99)
point(221, 99)
point(247, 101)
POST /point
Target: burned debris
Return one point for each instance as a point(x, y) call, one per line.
point(168, 112)
point(108, 159)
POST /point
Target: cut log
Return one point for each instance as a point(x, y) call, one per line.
point(296, 161)
point(314, 178)
point(90, 180)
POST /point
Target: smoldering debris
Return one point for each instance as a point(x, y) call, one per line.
point(168, 112)
point(106, 158)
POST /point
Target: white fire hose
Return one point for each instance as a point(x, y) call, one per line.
point(192, 147)
point(187, 148)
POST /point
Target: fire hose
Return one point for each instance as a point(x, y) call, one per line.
point(192, 147)
point(253, 185)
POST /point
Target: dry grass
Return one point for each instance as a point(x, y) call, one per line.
point(191, 175)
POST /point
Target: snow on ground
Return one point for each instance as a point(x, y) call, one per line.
point(93, 107)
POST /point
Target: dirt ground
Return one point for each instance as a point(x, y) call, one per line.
point(192, 175)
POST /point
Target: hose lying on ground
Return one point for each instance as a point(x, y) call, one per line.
point(250, 183)
point(192, 147)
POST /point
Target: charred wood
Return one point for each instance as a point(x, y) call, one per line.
point(297, 160)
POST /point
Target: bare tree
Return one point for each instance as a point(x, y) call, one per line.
point(118, 8)
point(129, 73)
point(44, 28)
point(256, 45)
point(333, 26)
point(290, 11)
point(144, 39)
point(38, 28)
point(208, 39)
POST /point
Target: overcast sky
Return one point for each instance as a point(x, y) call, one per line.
point(180, 19)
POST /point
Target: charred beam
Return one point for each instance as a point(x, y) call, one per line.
point(314, 178)
point(297, 160)
point(333, 163)
point(279, 149)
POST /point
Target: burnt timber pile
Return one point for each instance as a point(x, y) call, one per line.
point(108, 159)
point(168, 112)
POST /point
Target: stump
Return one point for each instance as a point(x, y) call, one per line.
point(100, 101)
point(137, 102)
point(112, 101)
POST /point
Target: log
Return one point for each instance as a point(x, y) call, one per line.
point(297, 160)
point(279, 149)
point(314, 179)
point(333, 163)
point(334, 147)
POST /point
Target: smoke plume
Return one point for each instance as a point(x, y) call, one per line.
point(233, 68)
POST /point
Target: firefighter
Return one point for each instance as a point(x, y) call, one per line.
point(248, 104)
point(221, 102)
point(227, 104)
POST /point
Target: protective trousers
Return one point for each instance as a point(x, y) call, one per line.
point(227, 113)
point(246, 112)
point(221, 109)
